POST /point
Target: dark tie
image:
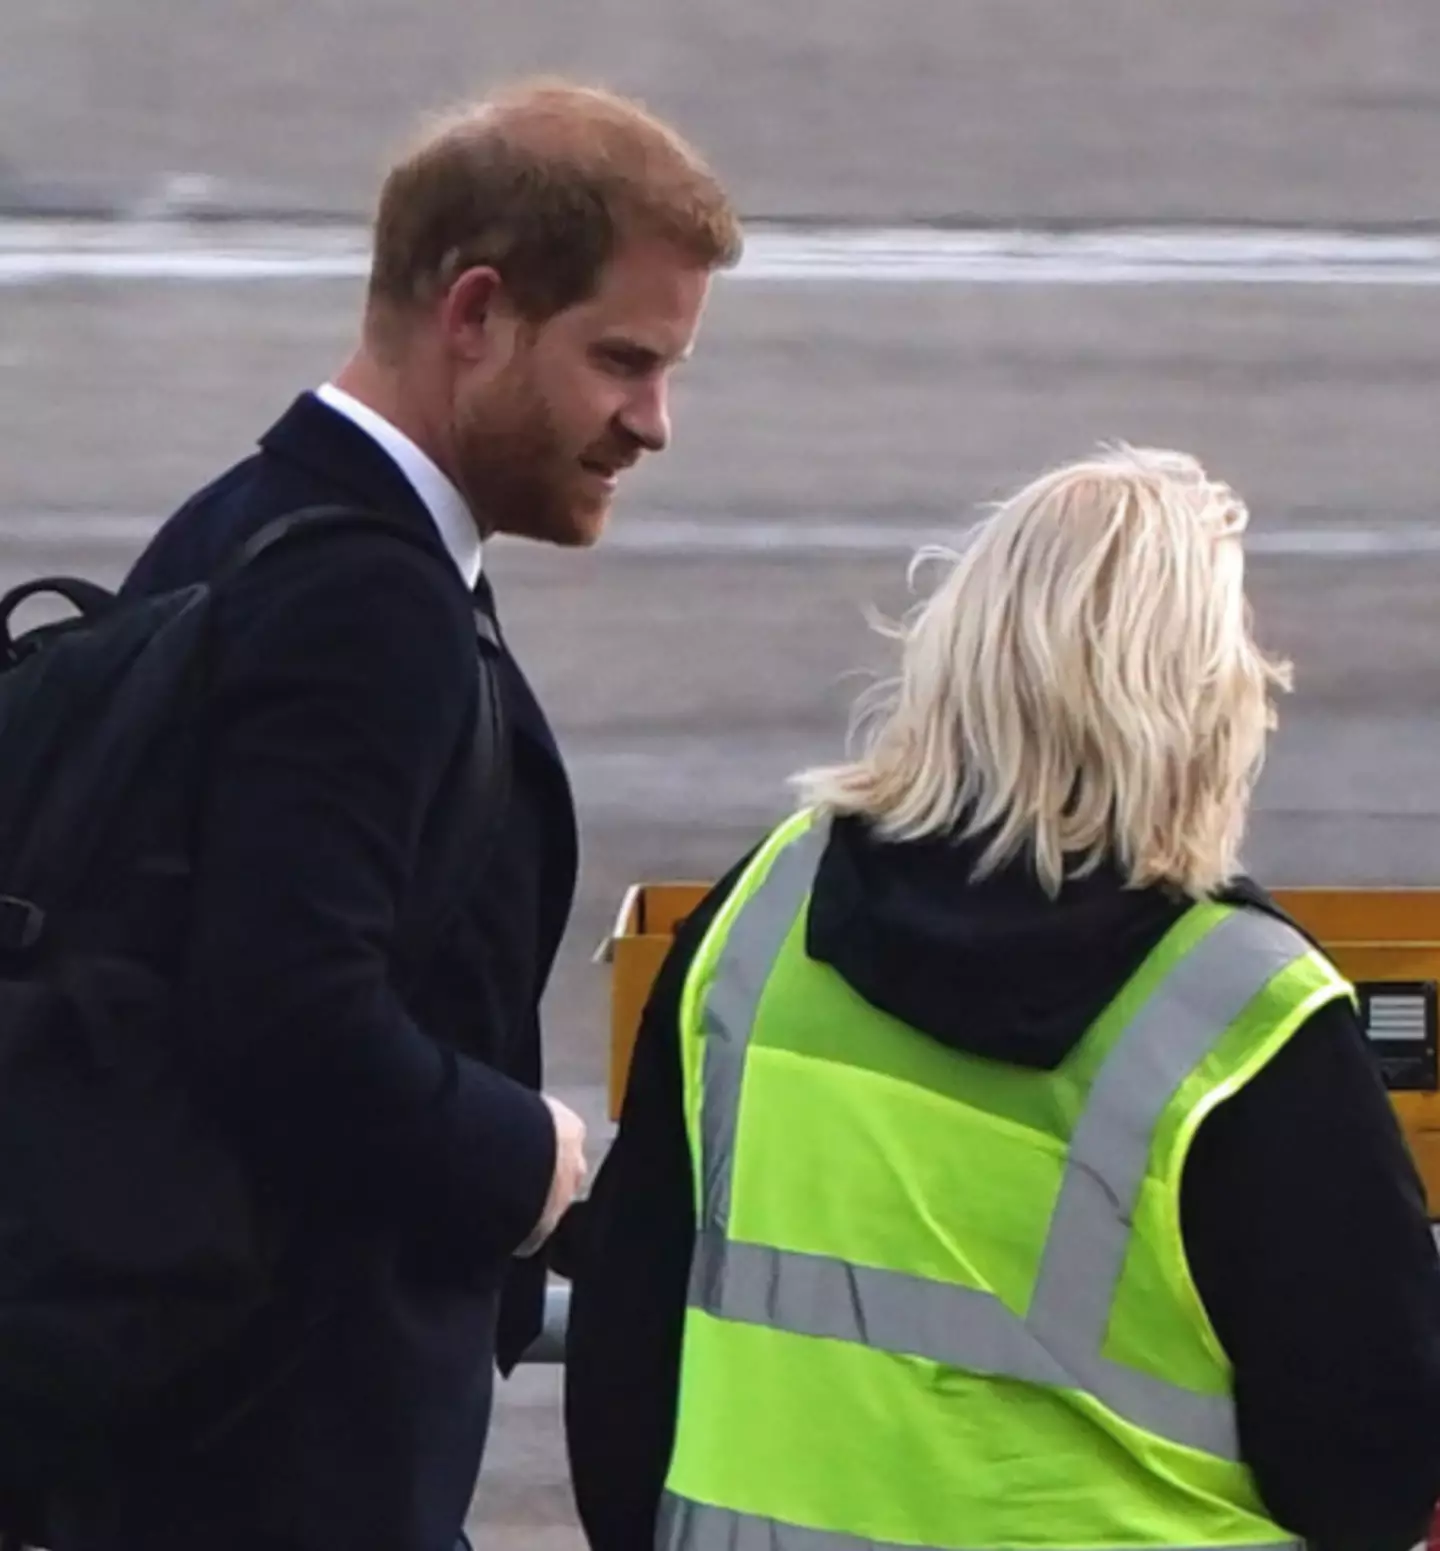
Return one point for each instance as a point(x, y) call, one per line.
point(487, 621)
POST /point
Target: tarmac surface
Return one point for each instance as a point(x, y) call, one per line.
point(687, 677)
point(714, 646)
point(1029, 110)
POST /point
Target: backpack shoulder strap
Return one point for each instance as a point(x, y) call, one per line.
point(479, 774)
point(312, 521)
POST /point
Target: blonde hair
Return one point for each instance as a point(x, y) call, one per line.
point(1082, 685)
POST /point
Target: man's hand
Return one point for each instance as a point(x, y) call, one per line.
point(570, 1173)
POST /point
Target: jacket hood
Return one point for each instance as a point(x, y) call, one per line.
point(994, 968)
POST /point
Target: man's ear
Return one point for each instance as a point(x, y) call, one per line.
point(473, 315)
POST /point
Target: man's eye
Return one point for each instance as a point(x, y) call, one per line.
point(628, 361)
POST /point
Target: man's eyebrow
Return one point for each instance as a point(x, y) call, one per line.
point(634, 350)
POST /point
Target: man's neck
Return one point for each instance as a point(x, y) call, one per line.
point(383, 390)
point(361, 396)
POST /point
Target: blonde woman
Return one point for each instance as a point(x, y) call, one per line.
point(999, 1167)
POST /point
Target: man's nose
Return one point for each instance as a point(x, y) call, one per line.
point(647, 417)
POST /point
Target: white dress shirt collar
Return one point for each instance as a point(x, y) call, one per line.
point(441, 499)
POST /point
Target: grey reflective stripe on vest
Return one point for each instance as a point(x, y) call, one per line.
point(890, 1311)
point(692, 1526)
point(962, 1327)
point(756, 937)
point(1085, 1247)
point(1166, 1040)
point(1060, 1342)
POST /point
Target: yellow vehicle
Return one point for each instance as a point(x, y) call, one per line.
point(1386, 941)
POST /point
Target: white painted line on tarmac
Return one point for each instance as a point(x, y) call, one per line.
point(699, 536)
point(41, 252)
point(721, 536)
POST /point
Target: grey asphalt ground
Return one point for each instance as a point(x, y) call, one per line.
point(870, 109)
point(684, 686)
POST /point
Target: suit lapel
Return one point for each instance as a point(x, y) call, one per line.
point(533, 729)
point(335, 450)
point(529, 719)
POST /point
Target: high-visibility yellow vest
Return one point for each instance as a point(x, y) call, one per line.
point(942, 1301)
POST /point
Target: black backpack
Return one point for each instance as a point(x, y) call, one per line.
point(131, 1250)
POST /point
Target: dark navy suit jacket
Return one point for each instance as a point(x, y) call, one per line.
point(389, 1106)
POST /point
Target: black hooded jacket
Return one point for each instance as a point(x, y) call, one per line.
point(1302, 1213)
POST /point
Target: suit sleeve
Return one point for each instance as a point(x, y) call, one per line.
point(341, 693)
point(1307, 1232)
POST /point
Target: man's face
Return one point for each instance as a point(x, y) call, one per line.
point(542, 442)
